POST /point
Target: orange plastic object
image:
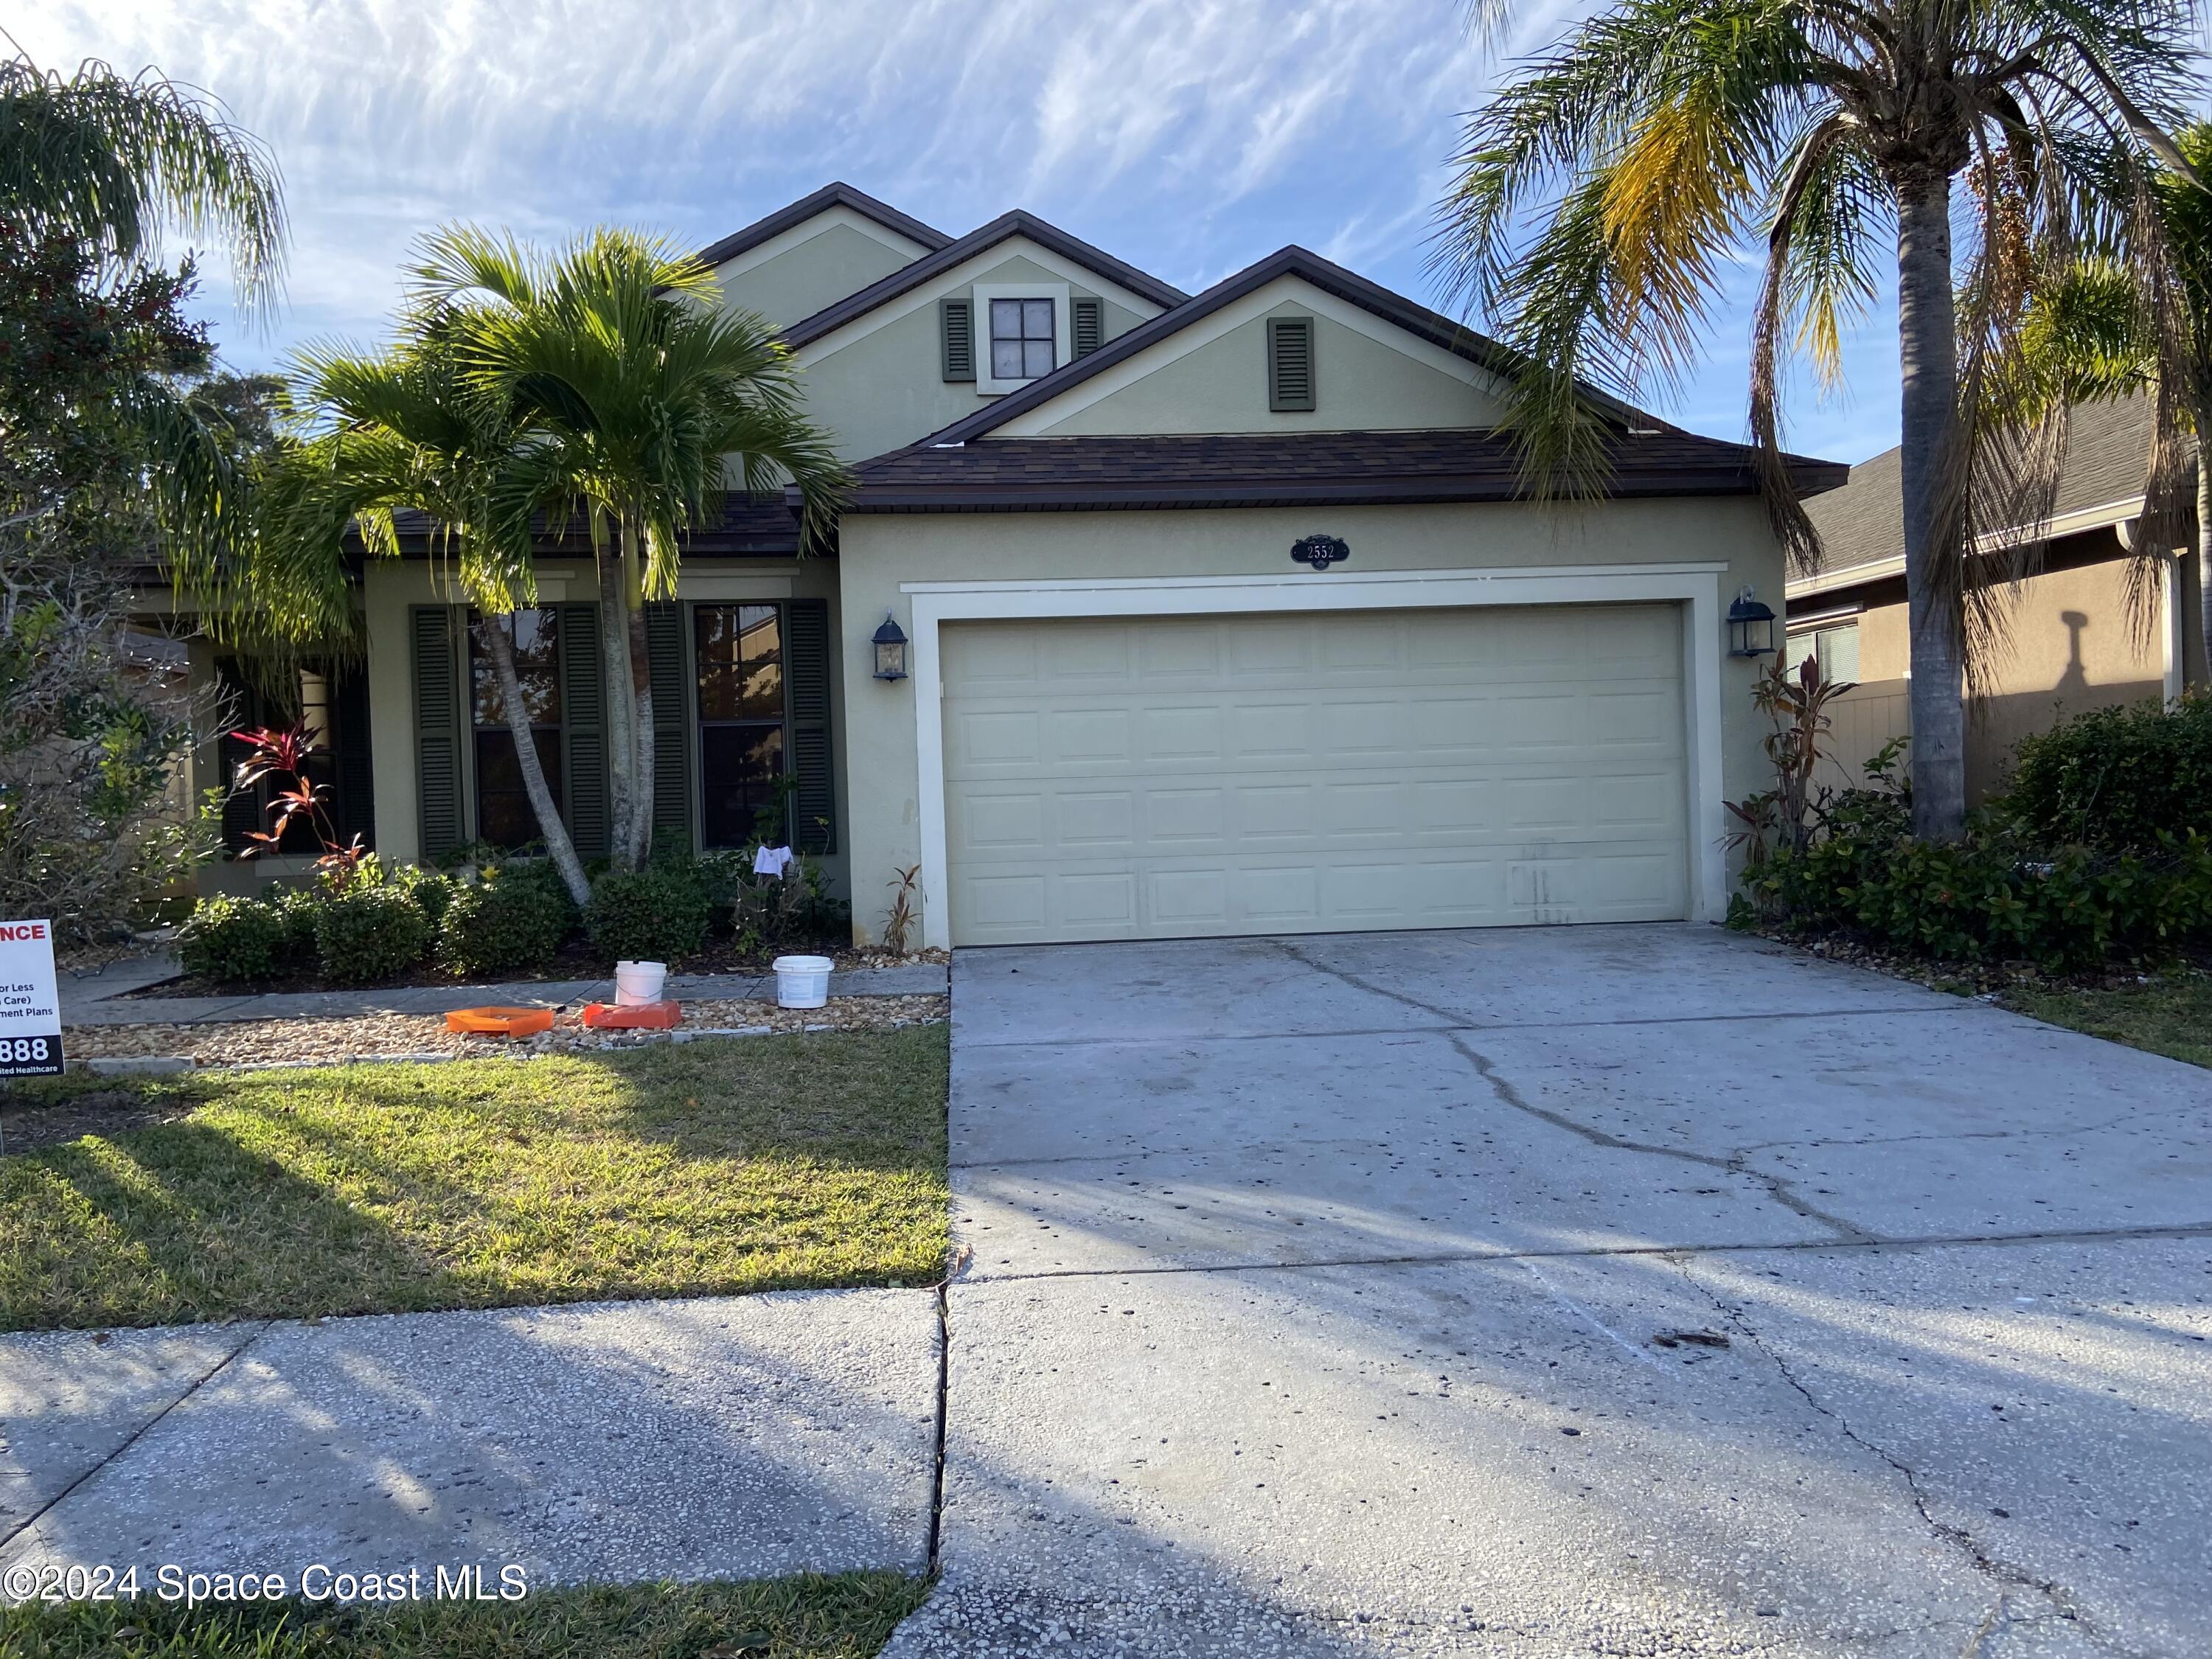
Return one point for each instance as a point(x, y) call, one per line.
point(500, 1022)
point(645, 1017)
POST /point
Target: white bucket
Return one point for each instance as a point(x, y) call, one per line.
point(802, 981)
point(637, 983)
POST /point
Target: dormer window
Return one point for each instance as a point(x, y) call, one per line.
point(1022, 338)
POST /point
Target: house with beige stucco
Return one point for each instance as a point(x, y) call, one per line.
point(2086, 631)
point(1203, 614)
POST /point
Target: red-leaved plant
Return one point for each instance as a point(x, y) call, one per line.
point(282, 751)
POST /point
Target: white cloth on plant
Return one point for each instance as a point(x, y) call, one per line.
point(772, 861)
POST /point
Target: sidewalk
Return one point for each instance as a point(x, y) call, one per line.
point(726, 1436)
point(108, 1006)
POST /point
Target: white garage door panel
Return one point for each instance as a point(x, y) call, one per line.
point(1167, 777)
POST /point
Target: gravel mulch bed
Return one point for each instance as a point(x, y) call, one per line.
point(330, 1041)
point(575, 961)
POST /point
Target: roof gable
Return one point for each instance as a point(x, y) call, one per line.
point(833, 194)
point(1431, 328)
point(959, 252)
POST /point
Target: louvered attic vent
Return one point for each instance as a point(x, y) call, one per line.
point(956, 323)
point(1291, 364)
point(1086, 321)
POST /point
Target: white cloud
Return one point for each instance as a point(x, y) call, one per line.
point(1190, 137)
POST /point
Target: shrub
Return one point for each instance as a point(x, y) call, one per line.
point(2115, 778)
point(657, 916)
point(1991, 895)
point(234, 940)
point(369, 933)
point(512, 918)
point(428, 887)
point(301, 908)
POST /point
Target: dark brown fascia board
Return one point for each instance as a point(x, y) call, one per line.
point(1017, 223)
point(836, 194)
point(1337, 492)
point(1292, 261)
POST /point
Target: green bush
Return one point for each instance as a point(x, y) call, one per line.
point(300, 908)
point(1992, 896)
point(513, 919)
point(2117, 779)
point(369, 933)
point(428, 887)
point(234, 940)
point(652, 915)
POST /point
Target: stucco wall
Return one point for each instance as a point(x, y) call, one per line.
point(2073, 648)
point(798, 281)
point(882, 389)
point(878, 553)
point(1361, 384)
point(389, 588)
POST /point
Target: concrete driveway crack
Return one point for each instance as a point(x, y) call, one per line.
point(135, 1435)
point(2004, 1573)
point(1736, 1163)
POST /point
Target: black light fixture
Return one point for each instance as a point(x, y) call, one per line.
point(890, 651)
point(1750, 627)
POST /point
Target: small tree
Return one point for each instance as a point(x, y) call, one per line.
point(643, 399)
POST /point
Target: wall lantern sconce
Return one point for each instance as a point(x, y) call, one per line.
point(890, 651)
point(1750, 627)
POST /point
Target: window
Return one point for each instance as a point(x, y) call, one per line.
point(740, 652)
point(1835, 646)
point(1021, 339)
point(504, 815)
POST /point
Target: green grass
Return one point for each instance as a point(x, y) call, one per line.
point(2168, 1015)
point(724, 1165)
point(848, 1616)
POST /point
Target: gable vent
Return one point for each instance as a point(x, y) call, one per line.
point(1086, 322)
point(956, 323)
point(1290, 363)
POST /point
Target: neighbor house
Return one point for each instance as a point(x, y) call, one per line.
point(1221, 613)
point(2077, 640)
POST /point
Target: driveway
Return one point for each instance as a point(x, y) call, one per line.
point(1609, 1290)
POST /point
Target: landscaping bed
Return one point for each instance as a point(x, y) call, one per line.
point(808, 1616)
point(335, 1040)
point(718, 1166)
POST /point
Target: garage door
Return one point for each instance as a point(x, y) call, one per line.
point(1178, 777)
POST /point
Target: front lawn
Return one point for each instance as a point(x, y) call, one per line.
point(723, 1165)
point(847, 1616)
point(2171, 1015)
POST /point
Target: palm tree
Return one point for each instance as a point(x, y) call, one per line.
point(404, 429)
point(101, 161)
point(1662, 135)
point(644, 397)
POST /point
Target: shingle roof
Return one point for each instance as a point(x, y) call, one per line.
point(1278, 469)
point(837, 194)
point(2107, 445)
point(908, 278)
point(751, 525)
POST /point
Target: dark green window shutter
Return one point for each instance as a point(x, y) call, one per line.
point(242, 711)
point(584, 728)
point(438, 710)
point(672, 769)
point(1086, 321)
point(806, 677)
point(956, 324)
point(1290, 363)
point(354, 777)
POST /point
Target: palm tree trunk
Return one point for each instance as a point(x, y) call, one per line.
point(641, 682)
point(500, 647)
point(622, 748)
point(1929, 356)
point(2196, 665)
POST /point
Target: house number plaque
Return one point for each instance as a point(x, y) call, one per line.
point(1320, 551)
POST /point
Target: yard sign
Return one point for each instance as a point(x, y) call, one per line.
point(30, 1004)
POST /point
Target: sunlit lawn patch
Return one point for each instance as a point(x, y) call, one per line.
point(723, 1165)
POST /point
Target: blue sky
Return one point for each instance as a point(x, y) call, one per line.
point(1188, 136)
